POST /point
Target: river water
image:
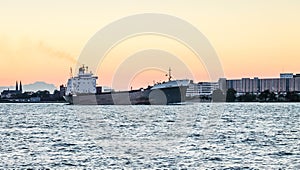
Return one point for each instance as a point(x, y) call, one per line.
point(191, 136)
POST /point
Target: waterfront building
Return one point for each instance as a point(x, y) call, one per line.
point(222, 84)
point(192, 90)
point(286, 83)
point(286, 75)
point(297, 83)
point(201, 88)
point(6, 94)
point(207, 88)
point(62, 90)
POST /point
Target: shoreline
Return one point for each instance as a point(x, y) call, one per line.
point(5, 101)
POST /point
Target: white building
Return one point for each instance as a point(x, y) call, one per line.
point(201, 88)
point(286, 83)
point(207, 88)
point(192, 90)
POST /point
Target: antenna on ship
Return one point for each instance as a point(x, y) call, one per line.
point(169, 75)
point(71, 73)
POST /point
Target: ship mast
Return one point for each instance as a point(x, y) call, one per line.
point(170, 75)
point(71, 72)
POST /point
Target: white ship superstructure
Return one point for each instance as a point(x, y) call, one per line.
point(83, 83)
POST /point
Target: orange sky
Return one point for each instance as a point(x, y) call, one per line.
point(40, 40)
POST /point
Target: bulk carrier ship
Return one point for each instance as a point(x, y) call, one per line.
point(82, 90)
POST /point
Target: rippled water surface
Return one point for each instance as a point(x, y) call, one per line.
point(192, 136)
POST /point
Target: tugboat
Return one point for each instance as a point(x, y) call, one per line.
point(82, 90)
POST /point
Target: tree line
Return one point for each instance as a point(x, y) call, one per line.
point(265, 96)
point(44, 95)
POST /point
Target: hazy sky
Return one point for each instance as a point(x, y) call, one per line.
point(41, 39)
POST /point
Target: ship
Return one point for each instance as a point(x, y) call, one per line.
point(83, 90)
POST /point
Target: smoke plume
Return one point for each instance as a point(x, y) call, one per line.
point(56, 53)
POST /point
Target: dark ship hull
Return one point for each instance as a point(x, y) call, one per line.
point(162, 96)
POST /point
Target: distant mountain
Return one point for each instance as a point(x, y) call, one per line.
point(39, 85)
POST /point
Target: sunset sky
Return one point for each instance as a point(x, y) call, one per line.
point(41, 39)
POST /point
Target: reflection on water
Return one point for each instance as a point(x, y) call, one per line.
point(192, 136)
